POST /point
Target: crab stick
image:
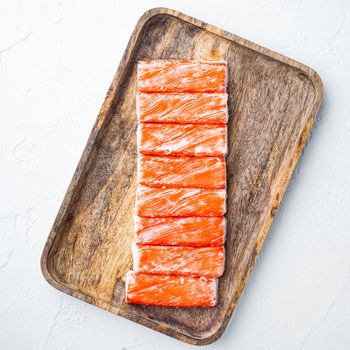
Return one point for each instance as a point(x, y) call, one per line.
point(201, 172)
point(190, 231)
point(181, 76)
point(182, 139)
point(183, 261)
point(182, 108)
point(163, 202)
point(170, 290)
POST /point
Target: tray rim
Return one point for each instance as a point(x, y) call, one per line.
point(311, 74)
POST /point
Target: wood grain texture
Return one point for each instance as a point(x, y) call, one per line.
point(273, 101)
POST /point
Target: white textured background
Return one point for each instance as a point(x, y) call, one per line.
point(57, 59)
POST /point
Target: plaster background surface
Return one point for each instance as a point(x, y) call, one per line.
point(57, 59)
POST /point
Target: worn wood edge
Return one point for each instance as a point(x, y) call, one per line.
point(311, 74)
point(69, 196)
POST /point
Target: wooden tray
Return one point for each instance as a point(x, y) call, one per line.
point(273, 101)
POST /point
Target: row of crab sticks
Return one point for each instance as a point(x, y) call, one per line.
point(181, 196)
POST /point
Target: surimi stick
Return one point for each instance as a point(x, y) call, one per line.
point(202, 172)
point(170, 290)
point(182, 108)
point(182, 261)
point(190, 231)
point(164, 202)
point(182, 139)
point(181, 76)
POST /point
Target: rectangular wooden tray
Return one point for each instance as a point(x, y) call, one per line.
point(273, 101)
